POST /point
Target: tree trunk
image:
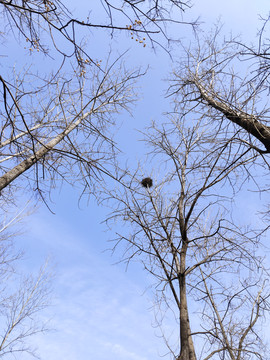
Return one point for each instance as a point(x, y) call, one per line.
point(186, 343)
point(246, 121)
point(26, 164)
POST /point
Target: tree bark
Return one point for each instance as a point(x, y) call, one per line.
point(26, 164)
point(248, 122)
point(187, 351)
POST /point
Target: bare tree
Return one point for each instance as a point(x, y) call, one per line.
point(57, 111)
point(61, 124)
point(225, 86)
point(19, 311)
point(22, 297)
point(64, 133)
point(205, 265)
point(32, 18)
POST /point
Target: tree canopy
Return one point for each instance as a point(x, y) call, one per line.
point(177, 210)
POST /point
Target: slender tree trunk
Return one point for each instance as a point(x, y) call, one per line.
point(186, 343)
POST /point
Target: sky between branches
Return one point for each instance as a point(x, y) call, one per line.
point(98, 308)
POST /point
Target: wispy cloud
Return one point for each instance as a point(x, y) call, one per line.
point(98, 309)
point(122, 352)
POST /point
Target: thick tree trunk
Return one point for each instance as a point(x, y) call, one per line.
point(247, 121)
point(26, 164)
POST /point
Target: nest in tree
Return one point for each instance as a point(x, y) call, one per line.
point(147, 182)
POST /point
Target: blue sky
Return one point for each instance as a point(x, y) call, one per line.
point(99, 309)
